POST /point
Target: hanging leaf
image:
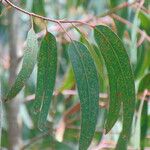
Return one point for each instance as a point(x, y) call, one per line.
point(88, 89)
point(46, 76)
point(121, 77)
point(112, 69)
point(96, 57)
point(29, 61)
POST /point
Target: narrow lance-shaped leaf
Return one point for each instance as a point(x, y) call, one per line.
point(46, 76)
point(96, 57)
point(88, 89)
point(29, 61)
point(112, 69)
point(115, 54)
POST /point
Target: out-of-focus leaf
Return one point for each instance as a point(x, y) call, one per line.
point(29, 61)
point(38, 7)
point(120, 79)
point(143, 62)
point(26, 117)
point(49, 142)
point(47, 67)
point(144, 125)
point(144, 84)
point(88, 89)
point(135, 138)
point(122, 13)
point(1, 115)
point(133, 42)
point(145, 22)
point(69, 80)
point(84, 3)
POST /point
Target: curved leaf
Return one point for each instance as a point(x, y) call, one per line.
point(116, 56)
point(88, 89)
point(96, 57)
point(46, 76)
point(29, 61)
point(112, 69)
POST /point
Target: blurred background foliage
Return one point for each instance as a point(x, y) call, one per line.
point(132, 26)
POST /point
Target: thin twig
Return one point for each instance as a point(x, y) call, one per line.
point(46, 18)
point(121, 6)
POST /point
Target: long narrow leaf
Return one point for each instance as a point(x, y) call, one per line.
point(46, 76)
point(116, 56)
point(88, 89)
point(29, 61)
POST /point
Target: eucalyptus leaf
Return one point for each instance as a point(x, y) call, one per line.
point(96, 56)
point(46, 76)
point(29, 61)
point(120, 78)
point(88, 89)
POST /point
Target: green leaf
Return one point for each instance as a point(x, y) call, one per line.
point(93, 49)
point(135, 138)
point(69, 80)
point(145, 21)
point(29, 61)
point(143, 62)
point(144, 125)
point(46, 76)
point(1, 117)
point(84, 3)
point(88, 89)
point(144, 83)
point(112, 69)
point(120, 78)
point(38, 7)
